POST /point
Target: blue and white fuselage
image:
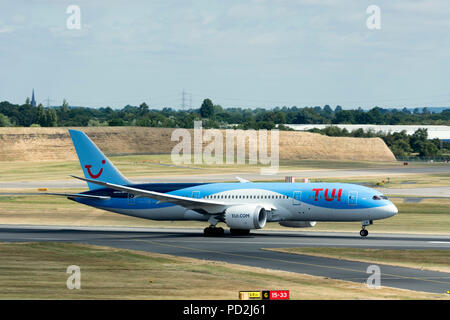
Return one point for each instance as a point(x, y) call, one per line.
point(242, 206)
point(285, 201)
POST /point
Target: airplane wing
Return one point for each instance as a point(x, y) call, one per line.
point(242, 180)
point(68, 195)
point(200, 205)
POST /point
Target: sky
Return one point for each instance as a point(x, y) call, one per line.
point(245, 53)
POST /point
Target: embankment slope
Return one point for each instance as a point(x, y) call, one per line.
point(40, 144)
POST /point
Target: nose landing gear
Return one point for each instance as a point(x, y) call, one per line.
point(363, 233)
point(364, 224)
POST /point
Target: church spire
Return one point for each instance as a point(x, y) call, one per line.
point(33, 102)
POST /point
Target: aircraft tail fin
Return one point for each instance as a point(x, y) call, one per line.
point(94, 163)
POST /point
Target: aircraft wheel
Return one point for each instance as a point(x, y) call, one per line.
point(363, 233)
point(213, 232)
point(239, 232)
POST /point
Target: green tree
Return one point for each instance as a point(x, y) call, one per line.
point(4, 121)
point(41, 118)
point(116, 122)
point(419, 137)
point(327, 109)
point(143, 108)
point(65, 106)
point(427, 149)
point(344, 116)
point(51, 118)
point(207, 109)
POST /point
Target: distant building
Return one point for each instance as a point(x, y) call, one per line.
point(434, 131)
point(33, 102)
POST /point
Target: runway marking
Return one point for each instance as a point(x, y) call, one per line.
point(292, 262)
point(439, 242)
point(44, 239)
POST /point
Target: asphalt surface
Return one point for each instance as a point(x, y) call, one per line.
point(248, 250)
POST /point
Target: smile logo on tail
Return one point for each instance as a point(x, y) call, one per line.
point(94, 176)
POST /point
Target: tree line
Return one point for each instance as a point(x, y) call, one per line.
point(215, 116)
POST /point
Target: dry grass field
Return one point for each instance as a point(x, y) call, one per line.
point(34, 144)
point(38, 271)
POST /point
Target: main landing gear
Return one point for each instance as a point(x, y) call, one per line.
point(213, 231)
point(364, 224)
point(239, 232)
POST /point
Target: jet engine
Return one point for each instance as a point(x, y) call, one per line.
point(245, 217)
point(298, 224)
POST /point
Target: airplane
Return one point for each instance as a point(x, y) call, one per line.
point(242, 205)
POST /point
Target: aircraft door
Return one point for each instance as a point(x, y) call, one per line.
point(352, 198)
point(131, 199)
point(297, 197)
point(196, 194)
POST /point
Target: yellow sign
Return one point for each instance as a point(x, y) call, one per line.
point(250, 295)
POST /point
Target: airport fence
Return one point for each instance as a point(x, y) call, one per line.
point(440, 159)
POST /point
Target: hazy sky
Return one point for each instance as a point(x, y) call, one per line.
point(238, 53)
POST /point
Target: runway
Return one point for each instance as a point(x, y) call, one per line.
point(248, 250)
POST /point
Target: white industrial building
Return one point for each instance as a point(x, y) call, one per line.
point(440, 132)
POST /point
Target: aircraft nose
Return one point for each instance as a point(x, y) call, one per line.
point(390, 210)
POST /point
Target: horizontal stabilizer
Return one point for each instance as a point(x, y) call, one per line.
point(68, 195)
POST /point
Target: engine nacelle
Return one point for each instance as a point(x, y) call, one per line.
point(298, 224)
point(245, 217)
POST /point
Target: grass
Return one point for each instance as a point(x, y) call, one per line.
point(437, 260)
point(38, 271)
point(161, 165)
point(397, 181)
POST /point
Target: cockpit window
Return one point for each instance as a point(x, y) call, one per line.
point(379, 197)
